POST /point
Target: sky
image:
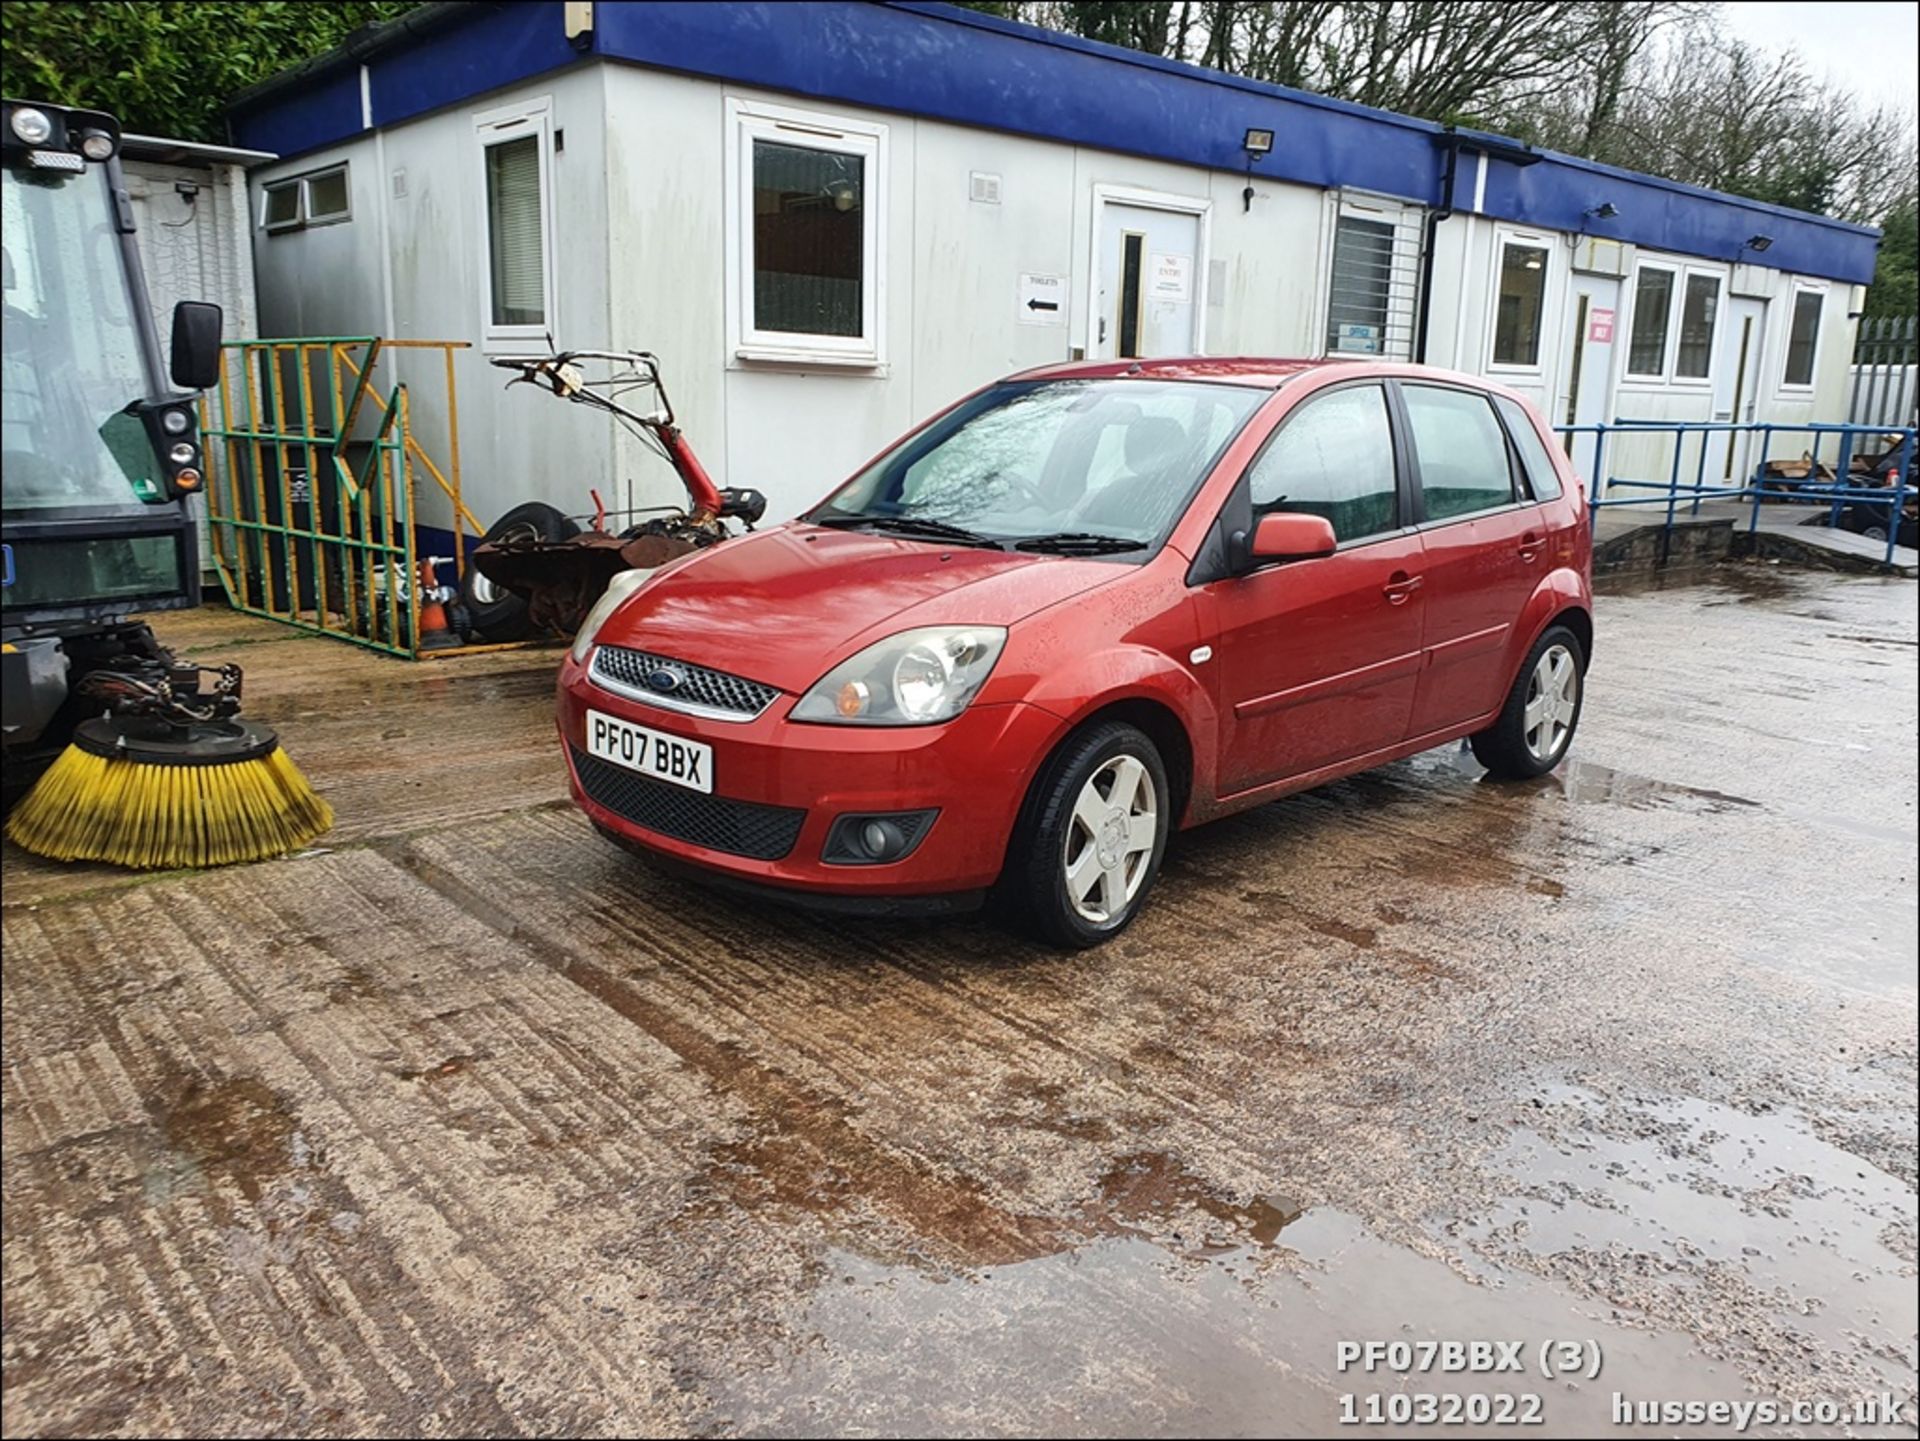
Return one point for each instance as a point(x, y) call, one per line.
point(1868, 45)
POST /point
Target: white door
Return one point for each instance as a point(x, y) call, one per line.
point(1148, 279)
point(1736, 383)
point(1586, 371)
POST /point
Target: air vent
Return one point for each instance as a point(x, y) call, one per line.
point(983, 189)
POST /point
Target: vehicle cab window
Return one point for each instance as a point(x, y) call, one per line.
point(1464, 463)
point(1332, 457)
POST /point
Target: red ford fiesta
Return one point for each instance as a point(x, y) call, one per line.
point(1083, 608)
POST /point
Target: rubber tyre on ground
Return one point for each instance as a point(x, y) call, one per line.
point(1517, 747)
point(1085, 809)
point(500, 615)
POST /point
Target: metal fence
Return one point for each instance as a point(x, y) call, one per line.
point(1836, 485)
point(1884, 383)
point(312, 468)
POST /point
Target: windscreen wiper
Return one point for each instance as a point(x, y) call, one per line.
point(910, 526)
point(1079, 542)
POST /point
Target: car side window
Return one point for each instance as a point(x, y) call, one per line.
point(1542, 477)
point(1332, 457)
point(1464, 462)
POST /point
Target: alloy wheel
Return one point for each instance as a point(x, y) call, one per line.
point(1553, 699)
point(1109, 839)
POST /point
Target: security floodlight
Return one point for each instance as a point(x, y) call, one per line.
point(1258, 143)
point(1605, 210)
point(1758, 243)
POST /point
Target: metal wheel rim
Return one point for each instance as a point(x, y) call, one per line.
point(1553, 699)
point(1109, 841)
point(485, 592)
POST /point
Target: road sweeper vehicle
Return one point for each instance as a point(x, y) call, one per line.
point(131, 755)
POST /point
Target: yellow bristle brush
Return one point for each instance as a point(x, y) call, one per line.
point(141, 793)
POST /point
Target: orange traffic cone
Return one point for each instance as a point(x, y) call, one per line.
point(436, 632)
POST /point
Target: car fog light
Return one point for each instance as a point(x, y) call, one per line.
point(876, 840)
point(882, 839)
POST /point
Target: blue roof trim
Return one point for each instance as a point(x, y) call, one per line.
point(974, 70)
point(504, 45)
point(927, 59)
point(1661, 215)
point(305, 119)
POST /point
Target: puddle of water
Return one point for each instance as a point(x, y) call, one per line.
point(1803, 1223)
point(1590, 783)
point(1123, 1337)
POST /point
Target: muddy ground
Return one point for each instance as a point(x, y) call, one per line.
point(466, 1122)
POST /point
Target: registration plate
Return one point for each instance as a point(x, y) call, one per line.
point(664, 757)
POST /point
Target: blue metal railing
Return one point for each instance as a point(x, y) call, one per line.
point(1838, 493)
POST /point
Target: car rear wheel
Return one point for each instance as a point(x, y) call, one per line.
point(1537, 723)
point(1090, 839)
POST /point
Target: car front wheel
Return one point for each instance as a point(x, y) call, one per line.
point(1537, 723)
point(1090, 838)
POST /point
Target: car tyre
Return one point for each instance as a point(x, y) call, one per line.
point(1542, 711)
point(1090, 838)
point(500, 615)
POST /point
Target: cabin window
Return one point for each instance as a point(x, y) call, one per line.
point(1521, 301)
point(807, 222)
point(1803, 336)
point(321, 198)
point(517, 214)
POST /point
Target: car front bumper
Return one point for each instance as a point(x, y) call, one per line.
point(773, 777)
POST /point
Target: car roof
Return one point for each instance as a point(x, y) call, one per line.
point(1265, 372)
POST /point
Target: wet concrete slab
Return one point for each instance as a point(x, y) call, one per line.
point(466, 1122)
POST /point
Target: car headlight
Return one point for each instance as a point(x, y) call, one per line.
point(623, 584)
point(918, 677)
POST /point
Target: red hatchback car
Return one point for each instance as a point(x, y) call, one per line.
point(1082, 608)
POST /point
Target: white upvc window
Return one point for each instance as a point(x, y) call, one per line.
point(805, 236)
point(1674, 323)
point(515, 152)
point(1523, 275)
point(320, 197)
point(1805, 310)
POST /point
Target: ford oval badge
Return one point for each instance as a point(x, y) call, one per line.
point(666, 679)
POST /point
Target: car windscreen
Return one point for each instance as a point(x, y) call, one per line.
point(1027, 460)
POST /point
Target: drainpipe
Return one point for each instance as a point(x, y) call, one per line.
point(1434, 217)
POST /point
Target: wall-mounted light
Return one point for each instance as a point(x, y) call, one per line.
point(1258, 144)
point(1605, 210)
point(1758, 243)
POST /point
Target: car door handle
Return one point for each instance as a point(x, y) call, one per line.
point(1529, 546)
point(1399, 587)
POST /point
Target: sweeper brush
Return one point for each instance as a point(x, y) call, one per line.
point(166, 780)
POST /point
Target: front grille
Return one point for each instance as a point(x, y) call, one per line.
point(740, 828)
point(700, 692)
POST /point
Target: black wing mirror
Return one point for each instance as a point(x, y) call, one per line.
point(196, 344)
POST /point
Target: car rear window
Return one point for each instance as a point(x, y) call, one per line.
point(1462, 451)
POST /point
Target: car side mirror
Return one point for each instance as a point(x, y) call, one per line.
point(196, 344)
point(1292, 535)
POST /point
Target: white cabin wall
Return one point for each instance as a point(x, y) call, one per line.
point(412, 265)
